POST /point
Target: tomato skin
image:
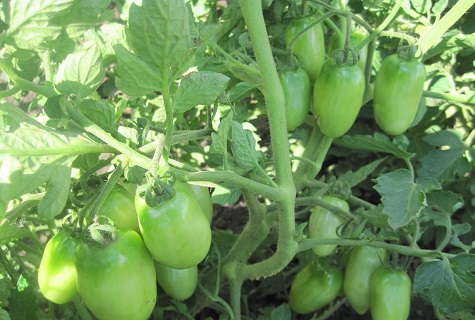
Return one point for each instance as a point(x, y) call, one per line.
point(337, 97)
point(296, 85)
point(323, 224)
point(117, 281)
point(390, 295)
point(119, 205)
point(203, 198)
point(57, 272)
point(180, 284)
point(315, 286)
point(362, 263)
point(176, 232)
point(397, 91)
point(309, 47)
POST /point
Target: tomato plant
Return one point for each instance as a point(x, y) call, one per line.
point(180, 284)
point(119, 206)
point(323, 224)
point(57, 272)
point(337, 97)
point(390, 295)
point(315, 286)
point(176, 232)
point(394, 111)
point(362, 263)
point(356, 38)
point(308, 47)
point(296, 87)
point(117, 281)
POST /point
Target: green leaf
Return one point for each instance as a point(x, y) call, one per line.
point(100, 112)
point(30, 154)
point(243, 147)
point(459, 230)
point(448, 286)
point(377, 143)
point(159, 35)
point(30, 22)
point(225, 194)
point(282, 312)
point(57, 192)
point(23, 305)
point(440, 206)
point(422, 6)
point(352, 179)
point(199, 88)
point(81, 73)
point(240, 91)
point(403, 199)
point(11, 232)
point(220, 139)
point(448, 160)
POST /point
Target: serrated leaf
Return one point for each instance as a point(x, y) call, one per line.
point(352, 179)
point(220, 139)
point(57, 192)
point(448, 286)
point(159, 35)
point(100, 112)
point(30, 21)
point(377, 143)
point(81, 73)
point(448, 160)
point(459, 230)
point(199, 88)
point(30, 152)
point(224, 194)
point(10, 232)
point(243, 147)
point(440, 206)
point(402, 198)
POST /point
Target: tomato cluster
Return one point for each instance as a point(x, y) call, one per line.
point(118, 280)
point(338, 84)
point(366, 282)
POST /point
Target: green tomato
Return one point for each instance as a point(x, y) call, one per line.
point(397, 91)
point(176, 231)
point(390, 295)
point(362, 263)
point(337, 97)
point(180, 284)
point(323, 224)
point(57, 272)
point(119, 206)
point(296, 87)
point(309, 47)
point(203, 198)
point(315, 286)
point(117, 281)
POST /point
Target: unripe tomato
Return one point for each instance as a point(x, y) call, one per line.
point(397, 92)
point(180, 284)
point(362, 263)
point(296, 87)
point(315, 286)
point(323, 224)
point(57, 272)
point(117, 281)
point(355, 39)
point(309, 47)
point(119, 206)
point(176, 231)
point(337, 97)
point(203, 198)
point(390, 295)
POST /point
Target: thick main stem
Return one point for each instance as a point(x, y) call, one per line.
point(275, 102)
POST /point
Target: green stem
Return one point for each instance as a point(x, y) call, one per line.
point(23, 207)
point(135, 157)
point(217, 299)
point(237, 64)
point(330, 311)
point(318, 201)
point(360, 202)
point(9, 92)
point(24, 84)
point(169, 123)
point(235, 292)
point(83, 312)
point(432, 35)
point(404, 250)
point(275, 103)
point(454, 97)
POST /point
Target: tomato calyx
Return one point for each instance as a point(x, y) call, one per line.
point(346, 57)
point(407, 52)
point(157, 189)
point(100, 233)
